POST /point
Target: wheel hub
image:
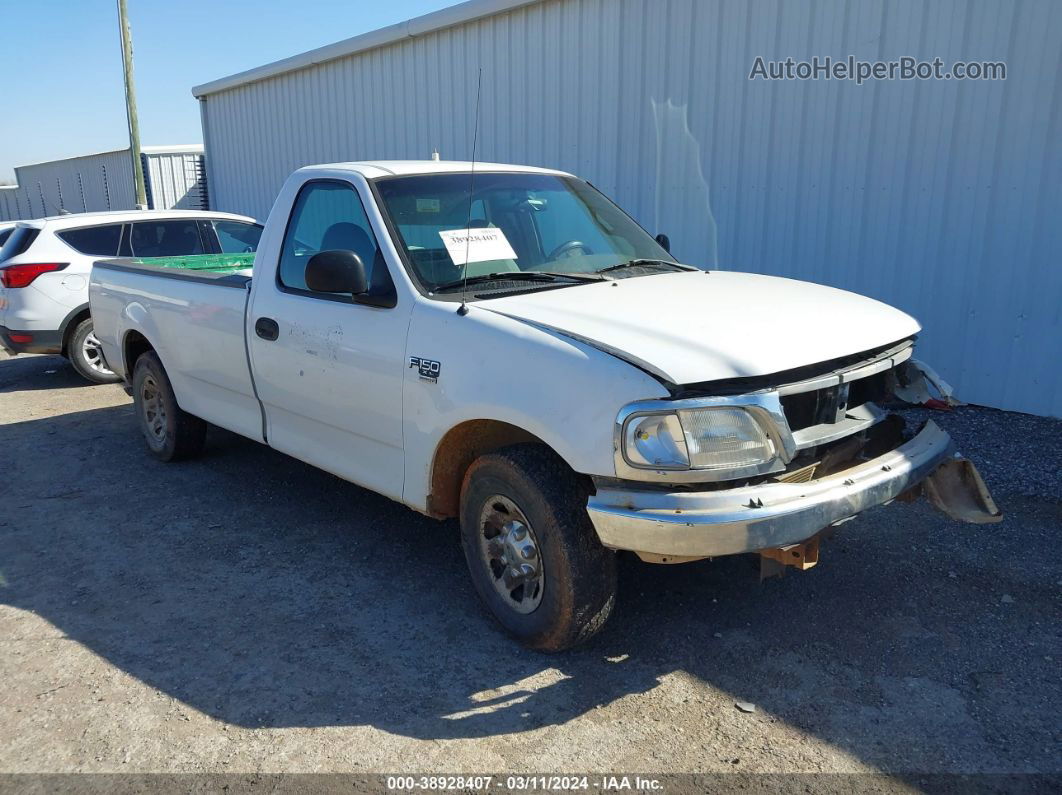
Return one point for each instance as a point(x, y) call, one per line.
point(152, 410)
point(93, 354)
point(510, 551)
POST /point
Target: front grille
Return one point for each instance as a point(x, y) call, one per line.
point(802, 409)
point(820, 406)
point(873, 389)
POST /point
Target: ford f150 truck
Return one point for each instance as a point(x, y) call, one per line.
point(504, 345)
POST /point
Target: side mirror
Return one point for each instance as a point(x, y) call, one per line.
point(664, 241)
point(338, 271)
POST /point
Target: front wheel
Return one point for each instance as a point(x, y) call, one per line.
point(86, 355)
point(170, 432)
point(534, 557)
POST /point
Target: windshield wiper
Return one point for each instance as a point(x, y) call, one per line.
point(642, 263)
point(528, 276)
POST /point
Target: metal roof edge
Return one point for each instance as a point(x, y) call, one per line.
point(73, 157)
point(418, 26)
point(149, 150)
point(175, 149)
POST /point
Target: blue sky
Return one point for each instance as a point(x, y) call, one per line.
point(62, 63)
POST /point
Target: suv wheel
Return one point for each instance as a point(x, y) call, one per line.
point(86, 355)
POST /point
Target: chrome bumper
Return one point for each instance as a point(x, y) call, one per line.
point(728, 522)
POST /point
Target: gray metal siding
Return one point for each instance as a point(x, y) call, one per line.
point(943, 198)
point(12, 201)
point(176, 181)
point(78, 184)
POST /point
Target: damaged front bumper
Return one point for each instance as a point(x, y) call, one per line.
point(665, 526)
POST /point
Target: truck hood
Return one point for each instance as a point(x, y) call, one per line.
point(701, 326)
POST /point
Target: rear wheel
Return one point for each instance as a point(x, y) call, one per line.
point(171, 433)
point(85, 354)
point(533, 555)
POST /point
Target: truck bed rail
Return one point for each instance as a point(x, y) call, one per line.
point(225, 270)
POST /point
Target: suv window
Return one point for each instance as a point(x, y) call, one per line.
point(326, 216)
point(166, 238)
point(4, 235)
point(101, 241)
point(237, 237)
point(21, 239)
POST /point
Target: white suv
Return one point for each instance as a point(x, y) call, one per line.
point(45, 264)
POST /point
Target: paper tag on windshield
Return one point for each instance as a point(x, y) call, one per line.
point(480, 245)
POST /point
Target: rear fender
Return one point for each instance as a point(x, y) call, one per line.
point(66, 328)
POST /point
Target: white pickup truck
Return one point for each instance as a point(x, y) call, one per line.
point(504, 345)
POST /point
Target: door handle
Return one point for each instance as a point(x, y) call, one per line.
point(267, 328)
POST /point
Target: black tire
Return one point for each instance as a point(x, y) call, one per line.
point(84, 354)
point(578, 585)
point(175, 435)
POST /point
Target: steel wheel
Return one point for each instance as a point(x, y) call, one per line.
point(152, 411)
point(510, 550)
point(169, 433)
point(92, 353)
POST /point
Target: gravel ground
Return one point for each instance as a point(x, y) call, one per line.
point(247, 613)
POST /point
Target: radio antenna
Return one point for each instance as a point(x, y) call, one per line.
point(463, 308)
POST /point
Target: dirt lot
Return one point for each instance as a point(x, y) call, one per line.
point(247, 613)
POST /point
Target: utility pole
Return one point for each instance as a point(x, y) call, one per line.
point(130, 106)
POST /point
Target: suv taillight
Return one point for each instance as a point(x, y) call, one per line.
point(23, 275)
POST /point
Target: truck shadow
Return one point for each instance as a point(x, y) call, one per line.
point(32, 373)
point(265, 593)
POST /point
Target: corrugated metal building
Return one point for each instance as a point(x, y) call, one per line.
point(943, 197)
point(11, 203)
point(174, 177)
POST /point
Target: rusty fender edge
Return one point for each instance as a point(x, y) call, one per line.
point(689, 525)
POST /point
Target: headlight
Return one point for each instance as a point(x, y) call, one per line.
point(701, 438)
point(656, 442)
point(722, 438)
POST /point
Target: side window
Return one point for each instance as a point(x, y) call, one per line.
point(166, 238)
point(326, 216)
point(19, 241)
point(236, 237)
point(99, 241)
point(4, 235)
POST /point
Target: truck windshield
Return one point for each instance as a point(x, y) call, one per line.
point(519, 222)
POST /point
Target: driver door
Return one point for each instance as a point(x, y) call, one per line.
point(329, 371)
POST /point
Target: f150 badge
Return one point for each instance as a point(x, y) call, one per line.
point(428, 369)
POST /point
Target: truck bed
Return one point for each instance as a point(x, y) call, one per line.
point(225, 270)
point(196, 329)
